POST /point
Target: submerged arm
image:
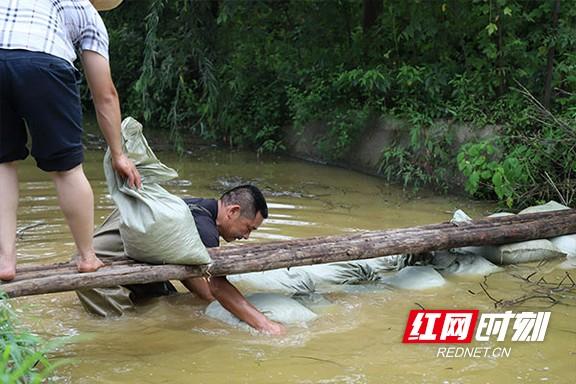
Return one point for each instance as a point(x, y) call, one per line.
point(236, 303)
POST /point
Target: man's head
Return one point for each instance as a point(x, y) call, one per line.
point(241, 210)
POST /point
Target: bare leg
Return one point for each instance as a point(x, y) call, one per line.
point(77, 202)
point(8, 208)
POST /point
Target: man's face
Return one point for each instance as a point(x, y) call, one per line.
point(236, 227)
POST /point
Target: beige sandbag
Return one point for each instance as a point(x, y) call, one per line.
point(157, 227)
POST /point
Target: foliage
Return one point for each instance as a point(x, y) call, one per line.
point(23, 358)
point(536, 168)
point(245, 73)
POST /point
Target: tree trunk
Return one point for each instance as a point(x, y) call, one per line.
point(551, 53)
point(40, 279)
point(372, 10)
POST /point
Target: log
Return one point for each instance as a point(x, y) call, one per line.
point(40, 279)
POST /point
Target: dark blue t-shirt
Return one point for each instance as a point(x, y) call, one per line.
point(205, 212)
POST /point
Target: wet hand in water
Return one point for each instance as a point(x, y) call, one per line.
point(273, 328)
point(126, 168)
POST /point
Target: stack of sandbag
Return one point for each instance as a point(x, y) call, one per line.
point(525, 251)
point(566, 243)
point(321, 277)
point(157, 227)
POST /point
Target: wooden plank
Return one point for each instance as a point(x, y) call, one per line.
point(59, 277)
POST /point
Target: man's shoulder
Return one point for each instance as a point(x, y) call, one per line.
point(202, 207)
point(205, 212)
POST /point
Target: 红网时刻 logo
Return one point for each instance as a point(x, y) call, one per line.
point(464, 326)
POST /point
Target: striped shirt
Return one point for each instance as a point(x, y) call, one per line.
point(62, 28)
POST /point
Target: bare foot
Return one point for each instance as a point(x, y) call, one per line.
point(91, 264)
point(7, 273)
point(8, 266)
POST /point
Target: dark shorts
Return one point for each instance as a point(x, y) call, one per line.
point(40, 91)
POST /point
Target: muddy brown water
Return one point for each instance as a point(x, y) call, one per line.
point(355, 340)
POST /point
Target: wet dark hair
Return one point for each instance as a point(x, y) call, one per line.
point(249, 198)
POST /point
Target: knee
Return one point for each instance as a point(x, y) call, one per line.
point(67, 172)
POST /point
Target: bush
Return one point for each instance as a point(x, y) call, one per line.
point(24, 356)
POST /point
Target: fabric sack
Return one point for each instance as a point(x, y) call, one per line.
point(157, 227)
point(276, 307)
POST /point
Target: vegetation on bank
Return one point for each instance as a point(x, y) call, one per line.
point(241, 72)
point(23, 355)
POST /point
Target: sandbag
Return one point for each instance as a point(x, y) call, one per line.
point(414, 277)
point(157, 227)
point(289, 281)
point(567, 243)
point(276, 307)
point(460, 263)
point(311, 278)
point(351, 272)
point(548, 207)
point(523, 252)
point(514, 253)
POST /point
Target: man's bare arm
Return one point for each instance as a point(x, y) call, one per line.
point(107, 107)
point(236, 303)
point(199, 286)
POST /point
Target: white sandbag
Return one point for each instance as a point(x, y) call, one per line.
point(548, 207)
point(449, 263)
point(315, 302)
point(290, 281)
point(514, 253)
point(157, 227)
point(501, 214)
point(523, 252)
point(309, 278)
point(276, 307)
point(460, 216)
point(566, 244)
point(381, 264)
point(569, 263)
point(414, 277)
point(352, 272)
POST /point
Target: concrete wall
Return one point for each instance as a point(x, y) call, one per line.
point(365, 153)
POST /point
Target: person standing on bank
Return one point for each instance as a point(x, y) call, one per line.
point(39, 41)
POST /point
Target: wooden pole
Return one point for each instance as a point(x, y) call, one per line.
point(41, 279)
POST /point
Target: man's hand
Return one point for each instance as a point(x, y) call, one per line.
point(236, 303)
point(126, 168)
point(273, 328)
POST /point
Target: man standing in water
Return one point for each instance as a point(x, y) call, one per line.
point(234, 216)
point(39, 41)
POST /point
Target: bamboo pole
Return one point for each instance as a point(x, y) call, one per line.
point(60, 277)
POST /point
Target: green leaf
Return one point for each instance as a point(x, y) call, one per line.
point(491, 28)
